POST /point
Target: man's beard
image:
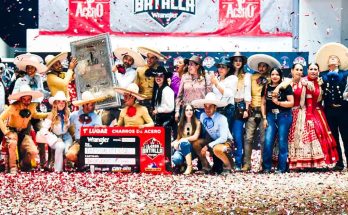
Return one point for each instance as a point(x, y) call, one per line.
point(126, 65)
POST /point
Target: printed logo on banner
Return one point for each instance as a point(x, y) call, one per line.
point(89, 9)
point(164, 11)
point(152, 148)
point(208, 62)
point(240, 8)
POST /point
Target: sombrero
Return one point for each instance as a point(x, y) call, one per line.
point(144, 51)
point(60, 96)
point(88, 97)
point(328, 50)
point(254, 60)
point(51, 59)
point(23, 60)
point(25, 90)
point(210, 98)
point(132, 89)
point(138, 59)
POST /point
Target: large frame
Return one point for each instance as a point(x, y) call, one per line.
point(93, 71)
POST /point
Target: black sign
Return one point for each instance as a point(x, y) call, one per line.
point(111, 153)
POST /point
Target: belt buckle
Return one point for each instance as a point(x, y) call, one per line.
point(335, 105)
point(275, 111)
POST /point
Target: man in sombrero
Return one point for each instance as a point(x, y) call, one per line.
point(125, 72)
point(217, 137)
point(333, 61)
point(14, 124)
point(261, 64)
point(57, 79)
point(86, 116)
point(153, 57)
point(133, 114)
point(33, 66)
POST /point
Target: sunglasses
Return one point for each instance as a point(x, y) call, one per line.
point(238, 60)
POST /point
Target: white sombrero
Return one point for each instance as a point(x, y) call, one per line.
point(60, 96)
point(51, 59)
point(88, 97)
point(138, 59)
point(328, 50)
point(254, 60)
point(132, 89)
point(210, 98)
point(144, 51)
point(25, 90)
point(23, 60)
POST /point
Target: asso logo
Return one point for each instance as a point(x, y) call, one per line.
point(152, 148)
point(90, 8)
point(241, 8)
point(164, 11)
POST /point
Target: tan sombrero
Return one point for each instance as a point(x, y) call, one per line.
point(210, 98)
point(23, 60)
point(138, 59)
point(88, 97)
point(328, 50)
point(144, 51)
point(25, 90)
point(254, 60)
point(132, 89)
point(51, 59)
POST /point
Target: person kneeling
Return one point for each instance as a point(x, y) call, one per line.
point(218, 137)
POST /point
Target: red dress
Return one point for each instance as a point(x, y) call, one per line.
point(316, 114)
point(304, 146)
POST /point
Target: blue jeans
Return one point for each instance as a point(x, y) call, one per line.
point(238, 136)
point(179, 155)
point(277, 123)
point(228, 112)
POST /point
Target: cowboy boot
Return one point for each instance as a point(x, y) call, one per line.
point(188, 159)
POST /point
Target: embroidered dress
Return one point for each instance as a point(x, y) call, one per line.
point(304, 146)
point(321, 127)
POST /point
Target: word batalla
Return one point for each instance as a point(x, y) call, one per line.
point(158, 5)
point(89, 12)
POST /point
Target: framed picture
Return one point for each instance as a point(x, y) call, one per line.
point(93, 71)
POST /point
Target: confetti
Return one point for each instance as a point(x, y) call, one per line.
point(108, 193)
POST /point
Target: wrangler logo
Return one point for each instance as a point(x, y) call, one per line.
point(164, 11)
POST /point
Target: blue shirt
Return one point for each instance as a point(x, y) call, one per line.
point(35, 84)
point(74, 120)
point(217, 128)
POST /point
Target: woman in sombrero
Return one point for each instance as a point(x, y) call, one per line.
point(133, 114)
point(58, 123)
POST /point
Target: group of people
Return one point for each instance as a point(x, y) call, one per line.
point(211, 114)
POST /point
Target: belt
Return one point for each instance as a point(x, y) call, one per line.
point(256, 108)
point(16, 129)
point(275, 111)
point(238, 100)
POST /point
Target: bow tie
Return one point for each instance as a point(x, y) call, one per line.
point(208, 122)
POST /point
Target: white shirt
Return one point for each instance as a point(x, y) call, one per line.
point(125, 79)
point(25, 80)
point(229, 85)
point(167, 102)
